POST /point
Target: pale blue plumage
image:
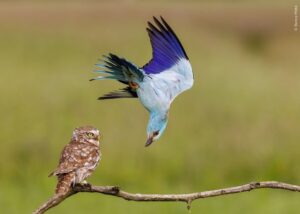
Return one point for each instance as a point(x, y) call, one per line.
point(156, 84)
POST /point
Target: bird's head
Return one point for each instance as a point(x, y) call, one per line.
point(86, 134)
point(156, 126)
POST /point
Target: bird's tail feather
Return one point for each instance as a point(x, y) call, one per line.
point(51, 174)
point(65, 182)
point(127, 92)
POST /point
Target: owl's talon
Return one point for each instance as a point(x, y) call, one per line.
point(115, 189)
point(83, 184)
point(87, 185)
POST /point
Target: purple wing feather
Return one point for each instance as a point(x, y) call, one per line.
point(166, 47)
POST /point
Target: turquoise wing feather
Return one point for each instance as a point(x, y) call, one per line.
point(114, 67)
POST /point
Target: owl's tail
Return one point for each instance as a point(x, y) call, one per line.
point(65, 182)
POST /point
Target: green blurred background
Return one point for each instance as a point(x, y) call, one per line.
point(239, 123)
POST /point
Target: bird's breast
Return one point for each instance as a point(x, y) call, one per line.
point(158, 91)
point(154, 97)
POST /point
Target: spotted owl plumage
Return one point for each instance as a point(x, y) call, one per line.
point(78, 159)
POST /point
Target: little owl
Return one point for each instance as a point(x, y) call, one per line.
point(78, 159)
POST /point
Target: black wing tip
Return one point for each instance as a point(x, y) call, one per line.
point(163, 20)
point(152, 27)
point(160, 16)
point(155, 19)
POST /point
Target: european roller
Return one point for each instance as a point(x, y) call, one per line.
point(157, 83)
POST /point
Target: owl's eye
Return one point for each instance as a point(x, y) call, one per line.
point(90, 134)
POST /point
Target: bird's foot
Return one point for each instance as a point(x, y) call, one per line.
point(133, 85)
point(115, 189)
point(86, 184)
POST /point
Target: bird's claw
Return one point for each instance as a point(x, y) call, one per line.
point(87, 185)
point(83, 184)
point(115, 189)
point(133, 85)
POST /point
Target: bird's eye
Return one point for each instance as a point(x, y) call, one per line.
point(90, 134)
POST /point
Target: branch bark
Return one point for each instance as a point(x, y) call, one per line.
point(188, 198)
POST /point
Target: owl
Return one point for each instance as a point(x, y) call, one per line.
point(78, 159)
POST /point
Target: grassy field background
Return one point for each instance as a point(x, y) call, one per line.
point(239, 123)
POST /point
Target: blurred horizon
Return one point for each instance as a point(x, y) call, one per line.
point(238, 124)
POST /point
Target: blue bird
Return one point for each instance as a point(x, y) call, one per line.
point(157, 83)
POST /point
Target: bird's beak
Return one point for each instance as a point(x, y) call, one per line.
point(150, 138)
point(149, 141)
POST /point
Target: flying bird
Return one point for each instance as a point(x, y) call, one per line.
point(157, 83)
point(78, 159)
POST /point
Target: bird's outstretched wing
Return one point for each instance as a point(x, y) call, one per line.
point(166, 48)
point(167, 53)
point(116, 68)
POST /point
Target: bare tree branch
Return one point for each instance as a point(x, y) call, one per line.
point(188, 198)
